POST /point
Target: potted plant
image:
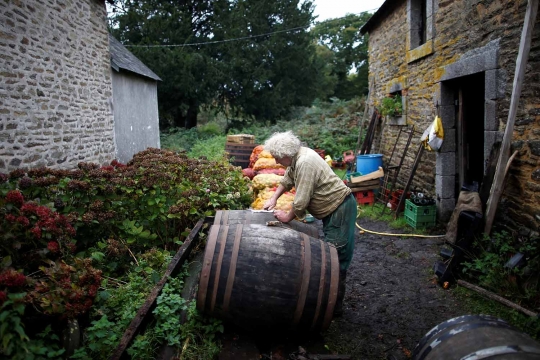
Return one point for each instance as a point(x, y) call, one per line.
point(392, 107)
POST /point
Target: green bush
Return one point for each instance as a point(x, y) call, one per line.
point(487, 267)
point(212, 148)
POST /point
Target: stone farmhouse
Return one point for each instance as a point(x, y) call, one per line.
point(457, 59)
point(61, 102)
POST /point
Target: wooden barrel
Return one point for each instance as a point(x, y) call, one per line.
point(229, 217)
point(471, 337)
point(260, 278)
point(240, 153)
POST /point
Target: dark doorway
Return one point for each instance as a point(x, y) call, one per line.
point(470, 128)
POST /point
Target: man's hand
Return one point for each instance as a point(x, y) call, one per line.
point(284, 216)
point(270, 204)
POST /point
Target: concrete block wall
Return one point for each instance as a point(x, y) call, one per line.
point(55, 84)
point(478, 29)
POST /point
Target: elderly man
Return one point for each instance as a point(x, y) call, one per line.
point(318, 190)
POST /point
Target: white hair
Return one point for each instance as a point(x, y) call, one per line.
point(283, 144)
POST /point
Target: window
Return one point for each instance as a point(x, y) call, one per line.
point(418, 22)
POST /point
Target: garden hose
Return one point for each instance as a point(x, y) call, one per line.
point(390, 234)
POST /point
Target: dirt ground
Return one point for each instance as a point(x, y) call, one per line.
point(391, 302)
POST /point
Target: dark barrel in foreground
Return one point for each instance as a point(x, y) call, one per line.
point(472, 337)
point(229, 217)
point(261, 277)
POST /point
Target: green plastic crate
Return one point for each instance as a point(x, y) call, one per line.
point(419, 224)
point(420, 216)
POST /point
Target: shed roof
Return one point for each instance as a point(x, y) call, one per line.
point(122, 58)
point(383, 11)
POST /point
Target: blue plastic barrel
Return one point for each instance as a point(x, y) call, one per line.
point(366, 164)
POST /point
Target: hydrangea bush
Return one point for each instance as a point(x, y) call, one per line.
point(63, 230)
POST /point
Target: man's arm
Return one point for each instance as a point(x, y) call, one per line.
point(271, 203)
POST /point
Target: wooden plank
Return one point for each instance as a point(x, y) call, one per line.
point(496, 297)
point(487, 180)
point(371, 128)
point(374, 175)
point(370, 183)
point(145, 311)
point(521, 64)
point(365, 188)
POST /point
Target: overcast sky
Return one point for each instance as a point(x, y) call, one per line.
point(327, 9)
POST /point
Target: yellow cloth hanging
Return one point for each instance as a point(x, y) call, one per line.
point(433, 137)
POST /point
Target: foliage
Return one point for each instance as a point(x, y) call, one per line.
point(212, 148)
point(190, 74)
point(116, 215)
point(350, 49)
point(16, 344)
point(262, 77)
point(268, 74)
point(198, 332)
point(118, 304)
point(65, 290)
point(391, 106)
point(487, 267)
point(150, 202)
point(332, 126)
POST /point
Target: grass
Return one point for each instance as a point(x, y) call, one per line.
point(474, 303)
point(375, 212)
point(340, 173)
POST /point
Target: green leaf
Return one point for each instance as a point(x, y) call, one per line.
point(6, 261)
point(98, 256)
point(155, 277)
point(104, 295)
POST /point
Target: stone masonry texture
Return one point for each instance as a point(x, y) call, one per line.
point(55, 84)
point(461, 27)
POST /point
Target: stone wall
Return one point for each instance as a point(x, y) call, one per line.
point(460, 28)
point(55, 84)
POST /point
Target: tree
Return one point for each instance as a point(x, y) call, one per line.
point(190, 73)
point(256, 57)
point(275, 67)
point(350, 63)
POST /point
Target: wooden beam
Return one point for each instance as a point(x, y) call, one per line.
point(496, 297)
point(521, 63)
point(374, 175)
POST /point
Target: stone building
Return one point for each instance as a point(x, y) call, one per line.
point(56, 88)
point(458, 59)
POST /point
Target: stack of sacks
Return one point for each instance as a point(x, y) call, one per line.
point(284, 202)
point(266, 164)
point(262, 162)
point(266, 174)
